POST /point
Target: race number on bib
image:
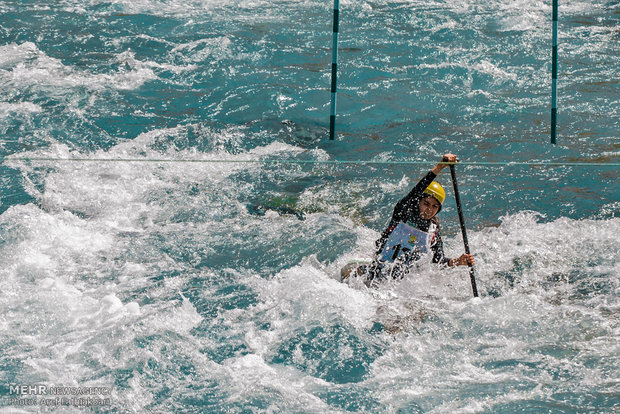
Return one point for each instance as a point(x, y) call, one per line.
point(404, 239)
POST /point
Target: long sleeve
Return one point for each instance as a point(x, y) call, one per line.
point(437, 248)
point(408, 204)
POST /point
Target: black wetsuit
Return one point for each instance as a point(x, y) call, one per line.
point(407, 210)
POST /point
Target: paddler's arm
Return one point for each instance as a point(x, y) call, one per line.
point(404, 205)
point(440, 258)
point(416, 192)
point(438, 254)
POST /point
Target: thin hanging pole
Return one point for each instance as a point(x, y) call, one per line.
point(332, 115)
point(554, 72)
point(457, 197)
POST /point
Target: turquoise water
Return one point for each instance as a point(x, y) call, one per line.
point(212, 287)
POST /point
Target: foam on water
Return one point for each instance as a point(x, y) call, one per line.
point(24, 108)
point(105, 277)
point(189, 284)
point(25, 65)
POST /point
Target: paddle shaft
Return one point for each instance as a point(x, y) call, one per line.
point(462, 222)
point(554, 72)
point(334, 88)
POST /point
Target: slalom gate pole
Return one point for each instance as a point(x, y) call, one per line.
point(462, 222)
point(332, 115)
point(554, 72)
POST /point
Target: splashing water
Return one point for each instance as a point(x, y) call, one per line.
point(208, 287)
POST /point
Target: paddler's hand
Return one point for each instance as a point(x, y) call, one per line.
point(464, 260)
point(446, 158)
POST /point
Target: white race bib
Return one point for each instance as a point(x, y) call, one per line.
point(405, 239)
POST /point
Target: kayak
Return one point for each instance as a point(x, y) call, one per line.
point(354, 268)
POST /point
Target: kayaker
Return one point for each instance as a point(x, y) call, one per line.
point(412, 231)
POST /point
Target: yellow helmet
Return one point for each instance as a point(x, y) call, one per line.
point(436, 190)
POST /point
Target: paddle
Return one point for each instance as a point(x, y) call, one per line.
point(462, 221)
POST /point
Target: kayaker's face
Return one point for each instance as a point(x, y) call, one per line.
point(429, 206)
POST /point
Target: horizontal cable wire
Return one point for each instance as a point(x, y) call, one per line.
point(317, 162)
